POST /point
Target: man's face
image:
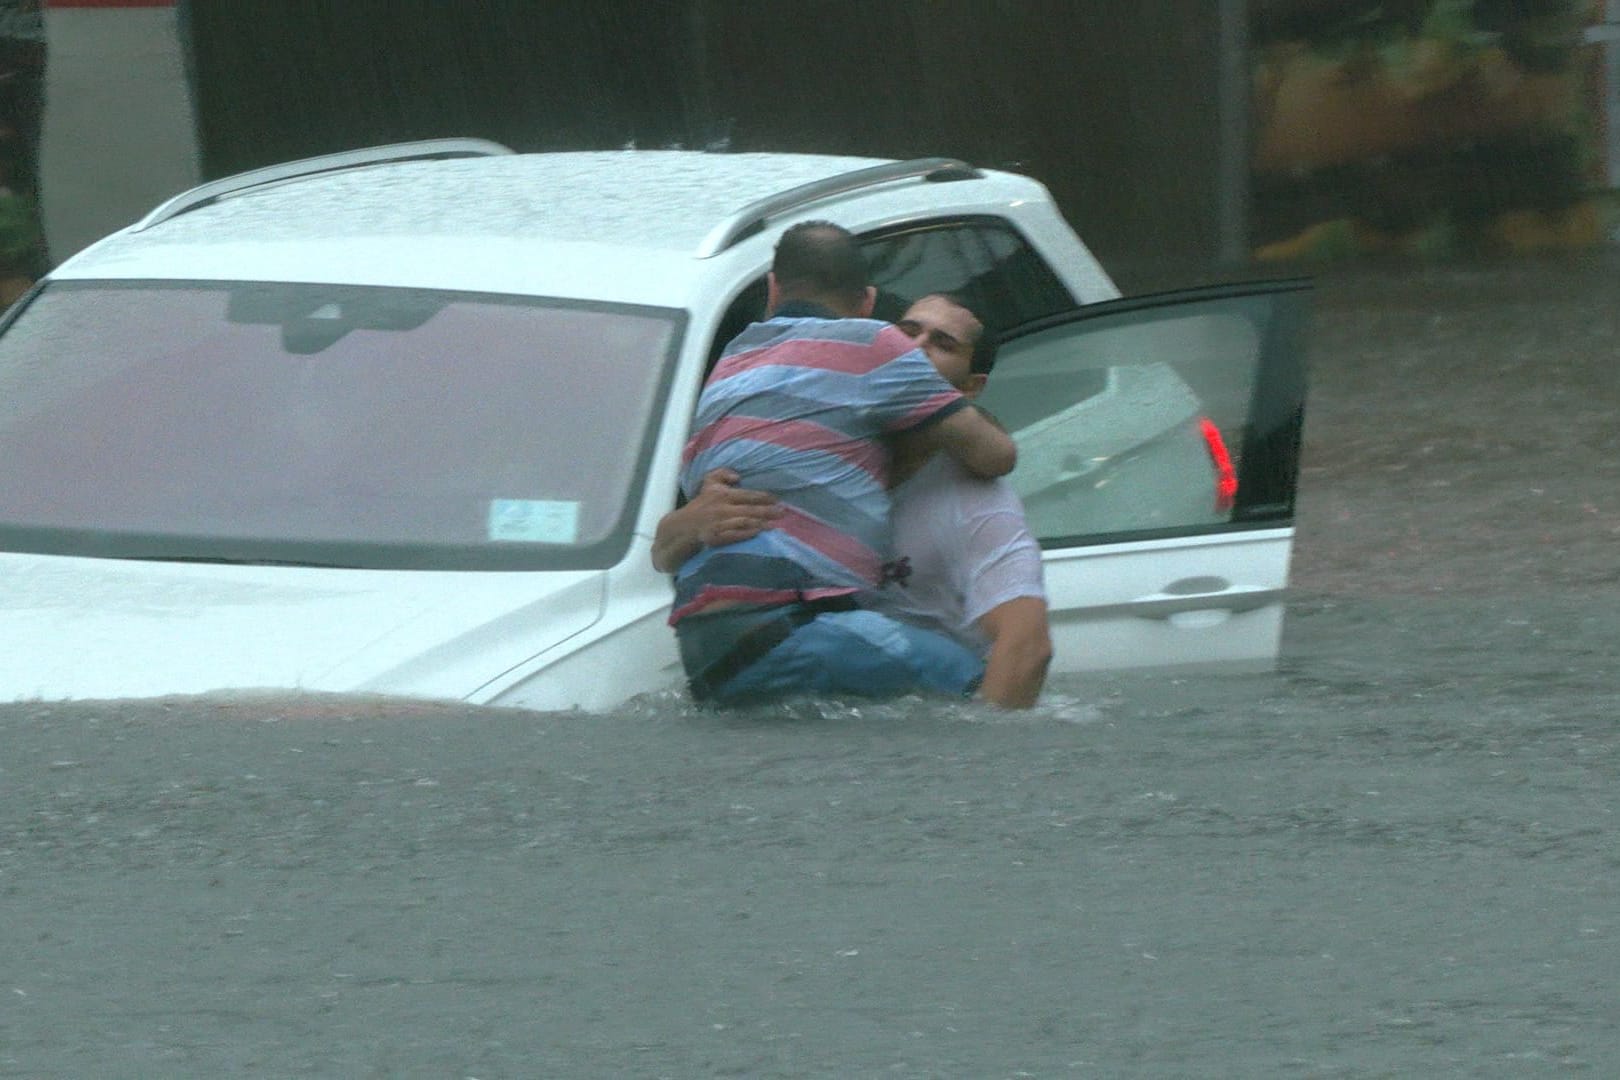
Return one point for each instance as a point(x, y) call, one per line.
point(946, 333)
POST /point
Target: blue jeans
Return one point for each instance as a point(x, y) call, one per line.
point(858, 653)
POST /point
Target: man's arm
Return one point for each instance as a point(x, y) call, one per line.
point(973, 439)
point(1020, 651)
point(720, 513)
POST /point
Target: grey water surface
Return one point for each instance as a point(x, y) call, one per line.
point(1397, 856)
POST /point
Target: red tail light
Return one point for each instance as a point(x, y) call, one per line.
point(1226, 484)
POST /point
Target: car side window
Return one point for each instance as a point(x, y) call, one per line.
point(984, 259)
point(746, 309)
point(1133, 422)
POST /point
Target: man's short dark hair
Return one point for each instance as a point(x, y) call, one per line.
point(988, 343)
point(818, 258)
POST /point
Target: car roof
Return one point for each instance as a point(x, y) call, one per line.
point(627, 224)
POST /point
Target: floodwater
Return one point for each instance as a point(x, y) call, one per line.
point(1397, 856)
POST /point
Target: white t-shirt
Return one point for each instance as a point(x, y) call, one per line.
point(961, 547)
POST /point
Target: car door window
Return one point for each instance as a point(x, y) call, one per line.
point(1154, 416)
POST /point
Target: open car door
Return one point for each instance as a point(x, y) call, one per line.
point(1158, 456)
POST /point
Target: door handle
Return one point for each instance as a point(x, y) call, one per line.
point(1181, 607)
point(1196, 603)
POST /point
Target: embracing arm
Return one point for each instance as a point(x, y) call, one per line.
point(676, 540)
point(720, 513)
point(1020, 651)
point(971, 437)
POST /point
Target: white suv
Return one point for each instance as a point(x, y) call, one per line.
point(403, 420)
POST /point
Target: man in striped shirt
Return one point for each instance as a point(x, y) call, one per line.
point(797, 406)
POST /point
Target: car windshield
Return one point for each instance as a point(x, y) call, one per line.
point(332, 425)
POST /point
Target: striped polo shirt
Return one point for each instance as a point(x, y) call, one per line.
point(797, 405)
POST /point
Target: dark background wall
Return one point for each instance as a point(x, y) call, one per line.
point(22, 71)
point(1113, 105)
point(1183, 137)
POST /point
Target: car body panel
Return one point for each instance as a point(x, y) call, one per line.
point(568, 269)
point(1212, 602)
point(630, 651)
point(105, 628)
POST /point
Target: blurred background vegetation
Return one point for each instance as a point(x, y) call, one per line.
point(1426, 127)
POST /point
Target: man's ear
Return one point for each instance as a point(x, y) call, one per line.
point(973, 385)
point(773, 293)
point(868, 303)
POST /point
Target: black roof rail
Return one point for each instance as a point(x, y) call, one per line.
point(751, 218)
point(203, 194)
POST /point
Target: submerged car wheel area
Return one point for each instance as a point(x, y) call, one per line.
point(403, 420)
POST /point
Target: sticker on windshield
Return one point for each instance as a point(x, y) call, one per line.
point(534, 521)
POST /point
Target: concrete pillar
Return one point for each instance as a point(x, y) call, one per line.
point(118, 134)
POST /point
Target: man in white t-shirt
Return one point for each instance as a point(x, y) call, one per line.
point(964, 561)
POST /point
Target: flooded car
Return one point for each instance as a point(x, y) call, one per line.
point(402, 421)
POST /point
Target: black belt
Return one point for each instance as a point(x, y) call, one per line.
point(753, 643)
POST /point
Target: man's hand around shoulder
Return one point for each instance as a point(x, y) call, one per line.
point(720, 513)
